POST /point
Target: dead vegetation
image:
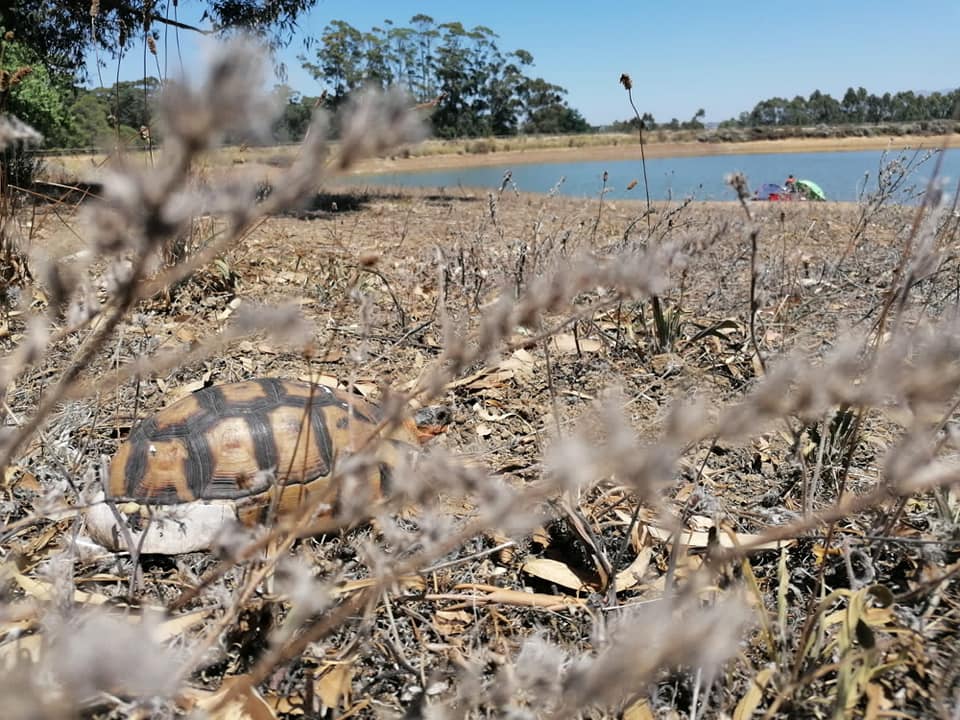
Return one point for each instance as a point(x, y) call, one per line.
point(736, 501)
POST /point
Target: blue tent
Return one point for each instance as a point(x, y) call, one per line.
point(768, 189)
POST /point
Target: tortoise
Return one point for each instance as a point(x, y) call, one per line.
point(243, 451)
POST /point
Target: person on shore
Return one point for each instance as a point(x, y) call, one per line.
point(791, 184)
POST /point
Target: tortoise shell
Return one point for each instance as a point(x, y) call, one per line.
point(242, 441)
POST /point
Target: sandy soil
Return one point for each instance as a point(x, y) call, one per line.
point(652, 150)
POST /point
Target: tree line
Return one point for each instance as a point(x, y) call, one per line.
point(476, 88)
point(856, 107)
point(472, 87)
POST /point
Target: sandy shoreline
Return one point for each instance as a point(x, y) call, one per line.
point(652, 150)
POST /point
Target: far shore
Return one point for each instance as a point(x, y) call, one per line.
point(632, 151)
point(506, 152)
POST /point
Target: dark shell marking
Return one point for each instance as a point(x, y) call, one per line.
point(235, 441)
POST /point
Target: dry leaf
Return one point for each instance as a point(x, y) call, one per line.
point(506, 596)
point(366, 387)
point(332, 684)
point(632, 575)
point(640, 710)
point(754, 696)
point(482, 379)
point(44, 591)
point(566, 343)
point(15, 476)
point(554, 571)
point(30, 551)
point(452, 622)
point(700, 523)
point(327, 380)
point(877, 702)
point(407, 583)
point(520, 363)
point(484, 414)
point(700, 539)
point(248, 706)
point(175, 626)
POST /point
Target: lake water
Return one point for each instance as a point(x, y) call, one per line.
point(841, 175)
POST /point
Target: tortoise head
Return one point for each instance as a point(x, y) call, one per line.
point(430, 421)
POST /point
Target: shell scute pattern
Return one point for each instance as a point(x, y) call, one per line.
point(217, 442)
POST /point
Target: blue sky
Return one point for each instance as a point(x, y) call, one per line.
point(721, 56)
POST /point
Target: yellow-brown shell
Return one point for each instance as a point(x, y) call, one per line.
point(247, 442)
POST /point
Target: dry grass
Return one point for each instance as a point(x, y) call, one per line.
point(744, 506)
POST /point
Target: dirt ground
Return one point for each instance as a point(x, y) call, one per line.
point(383, 279)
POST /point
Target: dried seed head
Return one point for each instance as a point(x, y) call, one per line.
point(60, 281)
point(100, 652)
point(13, 131)
point(375, 121)
point(306, 594)
point(35, 341)
point(229, 100)
point(369, 258)
point(152, 44)
point(738, 181)
point(94, 8)
point(284, 322)
point(626, 82)
point(19, 74)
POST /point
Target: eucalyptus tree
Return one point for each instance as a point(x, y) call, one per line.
point(823, 108)
point(546, 111)
point(476, 88)
point(131, 101)
point(295, 116)
point(61, 32)
point(854, 105)
point(425, 86)
point(377, 68)
point(401, 53)
point(340, 59)
point(458, 77)
point(505, 85)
